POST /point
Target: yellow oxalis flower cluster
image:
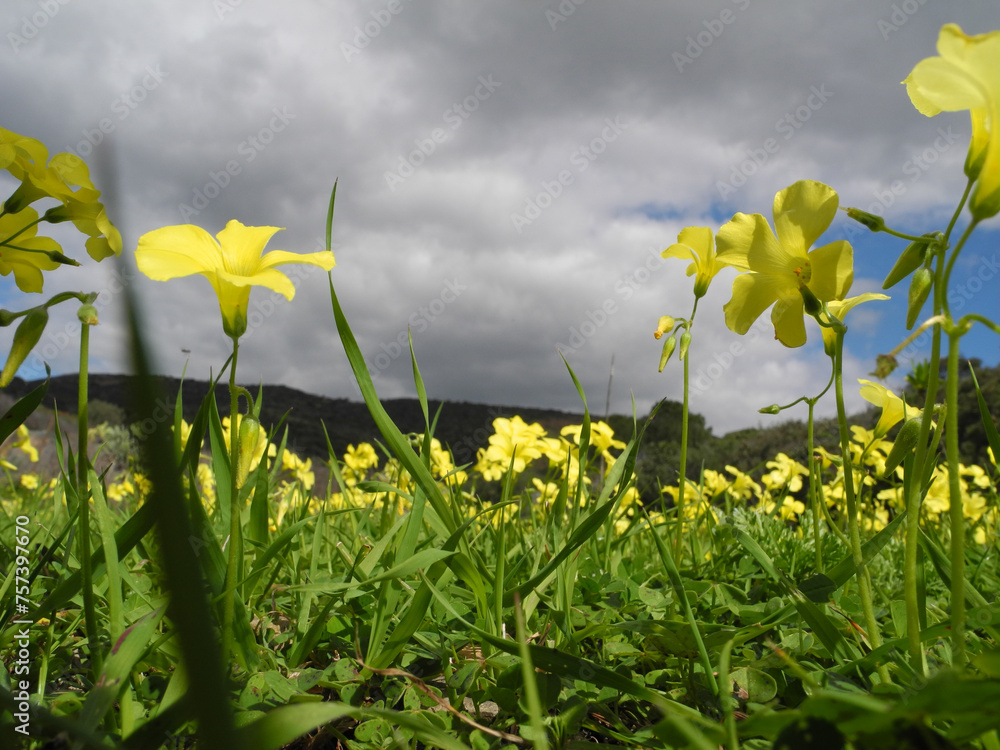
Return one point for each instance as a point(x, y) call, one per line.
point(63, 178)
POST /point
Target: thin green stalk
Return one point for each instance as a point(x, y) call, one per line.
point(678, 585)
point(228, 606)
point(726, 702)
point(83, 494)
point(682, 474)
point(813, 491)
point(854, 532)
point(956, 511)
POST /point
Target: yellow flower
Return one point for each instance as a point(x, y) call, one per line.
point(602, 438)
point(301, 470)
point(24, 443)
point(839, 309)
point(664, 325)
point(24, 253)
point(964, 76)
point(893, 408)
point(29, 481)
point(233, 264)
point(781, 267)
point(784, 471)
point(65, 178)
point(695, 244)
point(743, 487)
point(360, 459)
point(511, 438)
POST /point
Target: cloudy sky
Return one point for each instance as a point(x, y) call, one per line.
point(508, 175)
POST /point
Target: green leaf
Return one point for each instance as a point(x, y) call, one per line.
point(760, 686)
point(14, 417)
point(419, 561)
point(283, 725)
point(124, 654)
point(824, 627)
point(984, 412)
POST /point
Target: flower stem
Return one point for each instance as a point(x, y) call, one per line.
point(814, 491)
point(854, 532)
point(956, 511)
point(228, 606)
point(682, 473)
point(83, 494)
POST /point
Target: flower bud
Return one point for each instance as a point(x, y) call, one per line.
point(920, 287)
point(772, 409)
point(909, 260)
point(664, 325)
point(905, 442)
point(25, 337)
point(87, 315)
point(874, 222)
point(685, 343)
point(7, 317)
point(249, 435)
point(668, 349)
point(885, 364)
point(58, 214)
point(810, 301)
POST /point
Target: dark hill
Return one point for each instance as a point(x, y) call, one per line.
point(463, 426)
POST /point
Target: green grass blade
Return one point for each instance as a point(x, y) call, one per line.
point(125, 653)
point(419, 561)
point(126, 538)
point(539, 737)
point(14, 417)
point(984, 412)
point(675, 579)
point(189, 609)
point(395, 439)
point(824, 627)
point(106, 528)
point(819, 587)
point(281, 726)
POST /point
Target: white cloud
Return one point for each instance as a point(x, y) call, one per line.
point(586, 125)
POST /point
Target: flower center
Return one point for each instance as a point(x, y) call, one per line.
point(803, 273)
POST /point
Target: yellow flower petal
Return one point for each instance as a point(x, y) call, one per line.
point(802, 212)
point(964, 76)
point(232, 263)
point(832, 270)
point(788, 320)
point(752, 295)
